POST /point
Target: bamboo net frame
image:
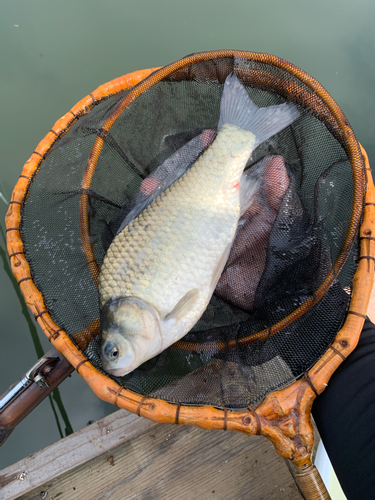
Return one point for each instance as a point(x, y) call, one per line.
point(284, 416)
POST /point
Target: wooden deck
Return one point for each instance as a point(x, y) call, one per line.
point(125, 457)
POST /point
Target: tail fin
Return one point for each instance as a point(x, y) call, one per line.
point(237, 108)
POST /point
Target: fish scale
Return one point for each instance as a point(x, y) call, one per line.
point(191, 214)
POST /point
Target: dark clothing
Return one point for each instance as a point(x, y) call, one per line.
point(345, 417)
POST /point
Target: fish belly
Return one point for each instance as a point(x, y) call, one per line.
point(177, 242)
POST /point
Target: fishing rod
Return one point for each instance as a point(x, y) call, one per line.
point(26, 394)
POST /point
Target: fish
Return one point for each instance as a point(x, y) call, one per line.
point(161, 269)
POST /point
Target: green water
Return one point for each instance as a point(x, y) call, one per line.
point(54, 53)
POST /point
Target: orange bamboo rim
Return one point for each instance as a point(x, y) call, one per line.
point(156, 409)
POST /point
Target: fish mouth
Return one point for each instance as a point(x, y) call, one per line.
point(116, 372)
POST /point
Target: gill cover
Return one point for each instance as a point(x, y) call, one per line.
point(130, 334)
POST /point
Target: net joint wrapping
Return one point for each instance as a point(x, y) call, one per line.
point(140, 404)
point(55, 335)
point(25, 279)
point(308, 380)
point(40, 314)
point(178, 413)
point(257, 419)
point(337, 352)
point(80, 364)
point(357, 314)
point(16, 253)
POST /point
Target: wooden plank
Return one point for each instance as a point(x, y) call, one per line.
point(177, 462)
point(70, 452)
point(161, 462)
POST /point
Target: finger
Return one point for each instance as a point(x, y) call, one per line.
point(275, 182)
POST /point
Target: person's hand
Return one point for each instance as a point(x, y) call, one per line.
point(247, 259)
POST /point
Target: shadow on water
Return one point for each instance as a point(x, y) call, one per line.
point(54, 398)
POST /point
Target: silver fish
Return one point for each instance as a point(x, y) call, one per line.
point(161, 270)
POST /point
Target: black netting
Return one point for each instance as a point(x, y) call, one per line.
point(282, 253)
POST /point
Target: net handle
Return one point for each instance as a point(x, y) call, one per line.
point(312, 484)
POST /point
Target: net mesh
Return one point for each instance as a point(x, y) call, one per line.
point(253, 337)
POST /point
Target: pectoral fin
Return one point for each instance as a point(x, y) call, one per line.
point(183, 306)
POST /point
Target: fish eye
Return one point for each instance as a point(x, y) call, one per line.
point(111, 351)
point(114, 353)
